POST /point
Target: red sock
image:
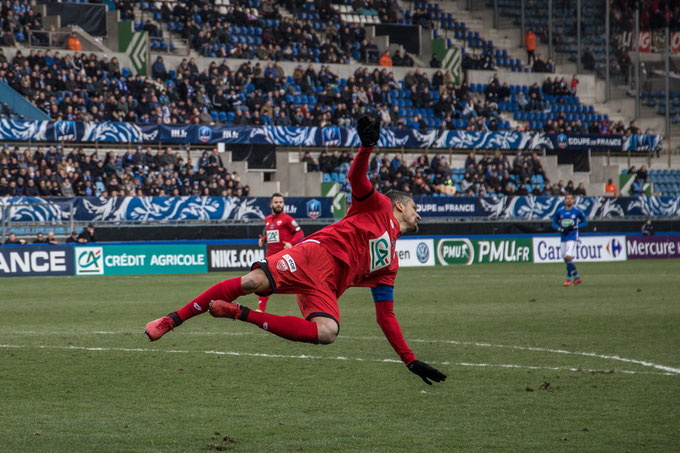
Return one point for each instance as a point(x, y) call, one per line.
point(262, 303)
point(227, 290)
point(288, 327)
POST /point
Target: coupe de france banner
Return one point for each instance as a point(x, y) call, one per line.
point(150, 209)
point(76, 131)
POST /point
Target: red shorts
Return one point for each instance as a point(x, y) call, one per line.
point(309, 271)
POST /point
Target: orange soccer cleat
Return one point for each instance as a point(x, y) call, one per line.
point(159, 327)
point(567, 282)
point(224, 309)
point(577, 281)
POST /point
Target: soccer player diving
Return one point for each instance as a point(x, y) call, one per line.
point(359, 250)
point(567, 220)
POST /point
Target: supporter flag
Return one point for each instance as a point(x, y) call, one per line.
point(451, 58)
point(135, 45)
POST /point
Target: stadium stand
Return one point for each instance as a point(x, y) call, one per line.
point(60, 172)
point(17, 20)
point(94, 87)
point(78, 86)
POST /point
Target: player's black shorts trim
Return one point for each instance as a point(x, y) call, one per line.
point(264, 265)
point(364, 197)
point(323, 315)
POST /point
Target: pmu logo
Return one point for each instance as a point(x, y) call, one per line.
point(423, 252)
point(204, 134)
point(89, 260)
point(561, 141)
point(455, 251)
point(66, 130)
point(380, 252)
point(314, 209)
point(614, 248)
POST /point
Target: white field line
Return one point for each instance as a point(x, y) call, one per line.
point(645, 363)
point(311, 357)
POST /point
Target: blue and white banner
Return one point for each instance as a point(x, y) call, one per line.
point(154, 209)
point(72, 131)
point(543, 208)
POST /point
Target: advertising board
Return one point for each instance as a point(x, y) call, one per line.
point(641, 247)
point(236, 257)
point(140, 259)
point(415, 252)
point(589, 249)
point(453, 251)
point(35, 261)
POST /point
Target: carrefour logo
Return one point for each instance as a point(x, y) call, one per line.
point(423, 252)
point(455, 251)
point(204, 134)
point(614, 248)
point(89, 261)
point(314, 209)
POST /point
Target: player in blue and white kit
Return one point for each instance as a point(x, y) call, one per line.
point(567, 220)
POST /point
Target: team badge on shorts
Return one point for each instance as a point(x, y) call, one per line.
point(282, 266)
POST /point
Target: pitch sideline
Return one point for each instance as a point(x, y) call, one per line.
point(311, 357)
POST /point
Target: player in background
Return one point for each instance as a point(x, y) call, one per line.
point(567, 220)
point(281, 232)
point(359, 250)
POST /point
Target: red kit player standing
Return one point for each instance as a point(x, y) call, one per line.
point(359, 250)
point(281, 232)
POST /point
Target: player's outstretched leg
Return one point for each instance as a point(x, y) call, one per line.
point(226, 290)
point(318, 330)
point(262, 303)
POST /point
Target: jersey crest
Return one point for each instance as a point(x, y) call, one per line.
point(567, 222)
point(273, 237)
point(380, 252)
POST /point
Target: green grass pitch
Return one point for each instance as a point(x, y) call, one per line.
point(532, 366)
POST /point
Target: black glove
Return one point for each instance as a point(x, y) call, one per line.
point(369, 131)
point(571, 227)
point(425, 371)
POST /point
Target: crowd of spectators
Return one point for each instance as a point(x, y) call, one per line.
point(17, 21)
point(487, 175)
point(82, 87)
point(87, 235)
point(654, 14)
point(637, 187)
point(53, 172)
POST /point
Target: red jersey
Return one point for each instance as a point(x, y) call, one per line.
point(365, 238)
point(280, 228)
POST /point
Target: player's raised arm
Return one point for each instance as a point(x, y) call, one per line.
point(369, 133)
point(384, 312)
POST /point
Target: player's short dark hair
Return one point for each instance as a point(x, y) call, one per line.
point(398, 196)
point(275, 195)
